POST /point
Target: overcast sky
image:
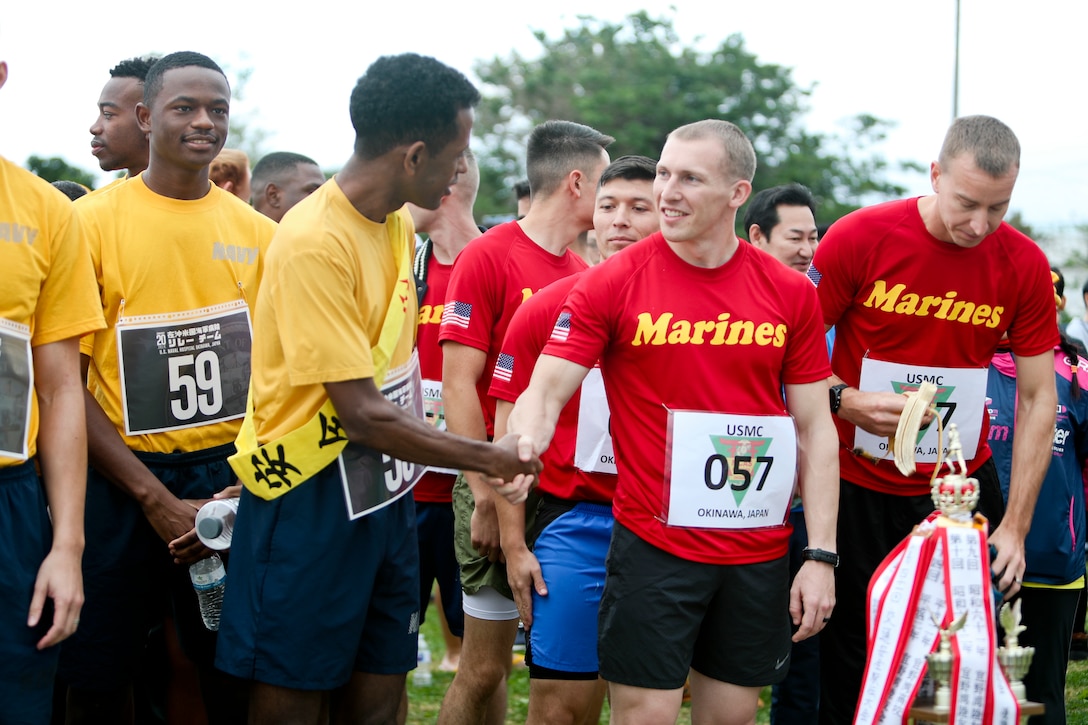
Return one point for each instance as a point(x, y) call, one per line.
point(1020, 61)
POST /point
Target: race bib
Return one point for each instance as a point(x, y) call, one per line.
point(593, 446)
point(184, 370)
point(16, 389)
point(434, 412)
point(960, 399)
point(373, 480)
point(729, 471)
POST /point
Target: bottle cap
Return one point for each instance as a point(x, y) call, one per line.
point(209, 528)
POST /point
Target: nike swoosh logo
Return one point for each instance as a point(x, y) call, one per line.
point(779, 663)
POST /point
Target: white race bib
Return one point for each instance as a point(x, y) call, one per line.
point(184, 370)
point(373, 480)
point(16, 389)
point(593, 446)
point(729, 471)
point(434, 412)
point(960, 399)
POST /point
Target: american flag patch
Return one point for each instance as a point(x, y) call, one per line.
point(562, 327)
point(814, 275)
point(504, 367)
point(456, 313)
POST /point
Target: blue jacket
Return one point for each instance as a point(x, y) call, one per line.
point(1055, 544)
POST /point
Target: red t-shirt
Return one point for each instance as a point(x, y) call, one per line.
point(491, 278)
point(525, 338)
point(645, 315)
point(896, 293)
point(433, 487)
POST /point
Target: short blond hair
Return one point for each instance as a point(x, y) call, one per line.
point(740, 156)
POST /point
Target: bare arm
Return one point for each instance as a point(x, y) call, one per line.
point(522, 567)
point(462, 366)
point(369, 419)
point(1037, 399)
point(170, 516)
point(812, 597)
point(537, 411)
point(62, 454)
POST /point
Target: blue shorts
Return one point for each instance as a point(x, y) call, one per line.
point(26, 675)
point(438, 562)
point(571, 550)
point(130, 581)
point(312, 596)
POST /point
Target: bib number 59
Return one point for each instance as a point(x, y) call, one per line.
point(195, 385)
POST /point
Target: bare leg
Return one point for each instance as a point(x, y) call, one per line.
point(485, 661)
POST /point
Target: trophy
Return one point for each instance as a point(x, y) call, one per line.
point(1015, 660)
point(955, 494)
point(940, 663)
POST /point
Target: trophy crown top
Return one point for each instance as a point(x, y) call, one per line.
point(955, 494)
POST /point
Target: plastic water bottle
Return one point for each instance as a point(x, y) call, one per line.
point(215, 523)
point(209, 580)
point(422, 677)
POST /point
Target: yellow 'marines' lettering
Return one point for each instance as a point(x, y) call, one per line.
point(897, 300)
point(430, 314)
point(666, 330)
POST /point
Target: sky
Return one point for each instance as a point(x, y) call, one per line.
point(1021, 62)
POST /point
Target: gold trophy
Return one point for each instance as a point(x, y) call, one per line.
point(940, 663)
point(1015, 660)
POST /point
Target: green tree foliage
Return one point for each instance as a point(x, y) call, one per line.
point(635, 80)
point(57, 169)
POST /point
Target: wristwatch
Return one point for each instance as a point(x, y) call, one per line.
point(835, 395)
point(827, 557)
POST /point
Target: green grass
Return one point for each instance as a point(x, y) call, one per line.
point(424, 702)
point(1076, 693)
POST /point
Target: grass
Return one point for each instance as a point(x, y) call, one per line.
point(424, 702)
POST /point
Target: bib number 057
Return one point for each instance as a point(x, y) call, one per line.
point(716, 472)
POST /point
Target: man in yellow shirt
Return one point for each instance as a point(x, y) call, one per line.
point(179, 263)
point(324, 591)
point(46, 302)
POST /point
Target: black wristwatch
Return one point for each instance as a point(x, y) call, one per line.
point(835, 395)
point(827, 557)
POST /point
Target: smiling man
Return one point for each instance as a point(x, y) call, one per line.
point(697, 574)
point(924, 289)
point(178, 263)
point(782, 222)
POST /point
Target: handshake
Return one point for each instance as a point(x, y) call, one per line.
point(514, 469)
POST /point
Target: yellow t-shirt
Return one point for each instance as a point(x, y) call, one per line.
point(48, 284)
point(171, 266)
point(330, 276)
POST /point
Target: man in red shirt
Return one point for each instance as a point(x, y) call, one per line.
point(698, 335)
point(924, 289)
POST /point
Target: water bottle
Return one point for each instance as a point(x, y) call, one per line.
point(422, 677)
point(209, 580)
point(215, 523)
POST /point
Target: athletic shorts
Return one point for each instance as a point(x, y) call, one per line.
point(437, 562)
point(130, 581)
point(478, 571)
point(26, 675)
point(661, 614)
point(571, 550)
point(313, 596)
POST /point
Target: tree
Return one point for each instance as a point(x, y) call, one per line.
point(57, 169)
point(634, 80)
